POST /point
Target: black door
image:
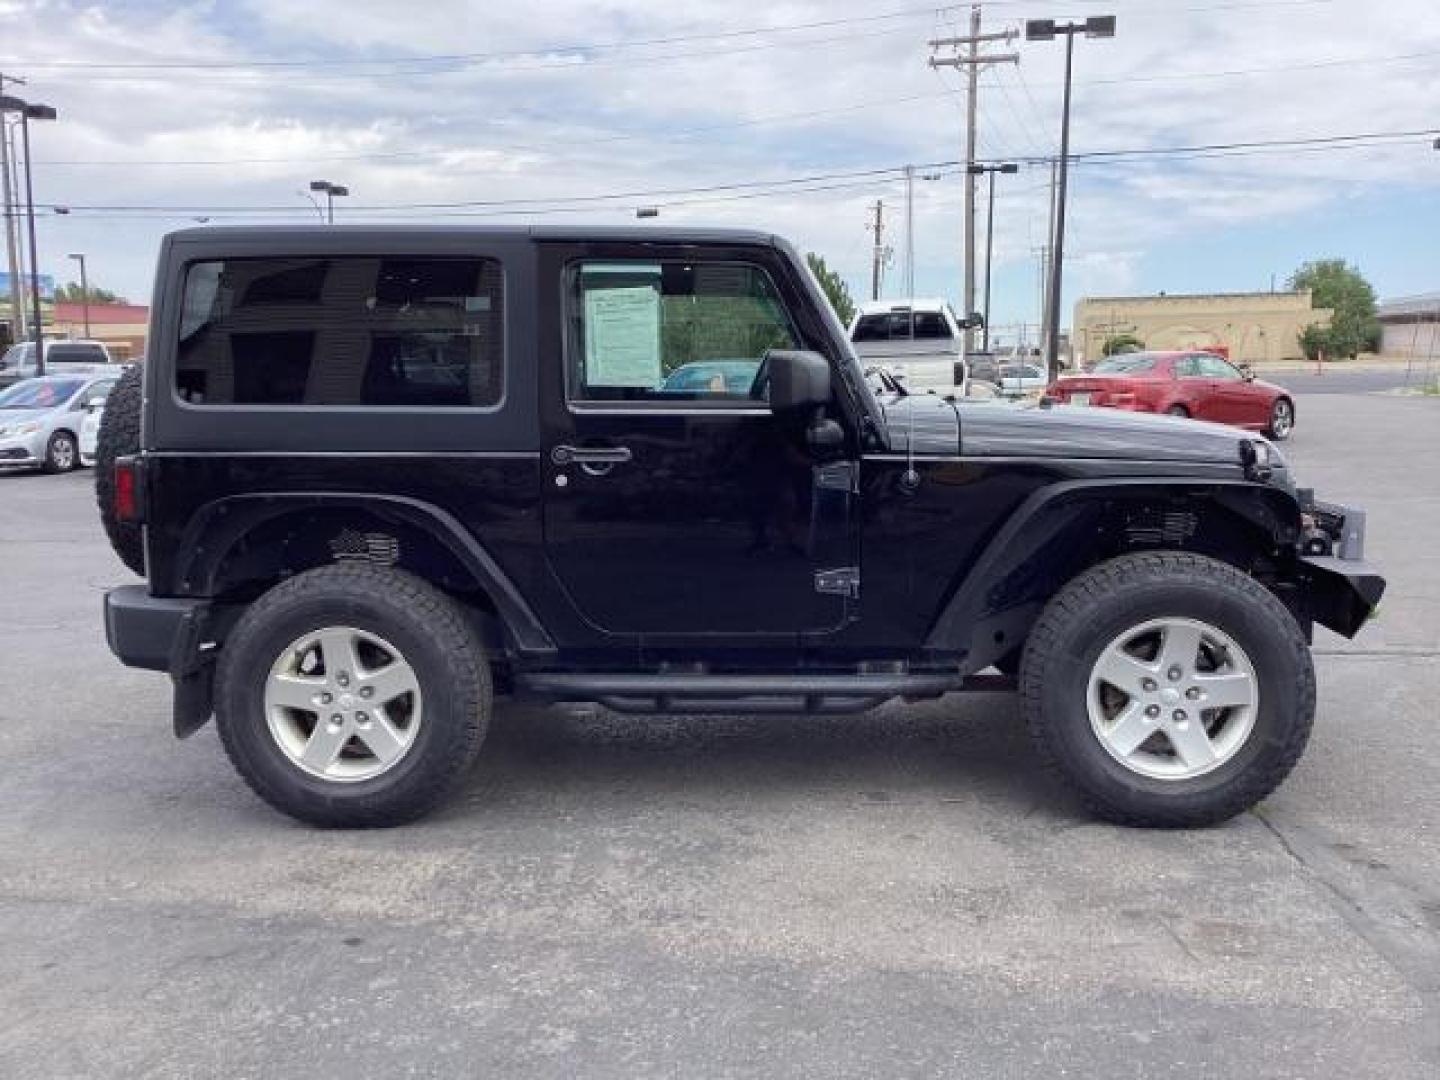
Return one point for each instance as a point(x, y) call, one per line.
point(676, 504)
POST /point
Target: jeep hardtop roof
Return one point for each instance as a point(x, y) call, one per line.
point(569, 232)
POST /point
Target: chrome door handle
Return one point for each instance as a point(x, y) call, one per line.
point(590, 455)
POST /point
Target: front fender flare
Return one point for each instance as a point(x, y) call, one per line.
point(992, 607)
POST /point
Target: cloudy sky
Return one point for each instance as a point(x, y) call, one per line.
point(794, 115)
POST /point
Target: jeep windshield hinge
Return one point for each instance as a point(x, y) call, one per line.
point(838, 476)
point(842, 581)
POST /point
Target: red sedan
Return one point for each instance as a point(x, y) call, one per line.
point(1195, 384)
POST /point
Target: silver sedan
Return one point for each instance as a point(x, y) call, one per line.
point(40, 419)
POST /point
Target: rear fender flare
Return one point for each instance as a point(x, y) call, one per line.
point(1004, 590)
point(220, 525)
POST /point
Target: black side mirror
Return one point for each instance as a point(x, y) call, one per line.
point(1246, 373)
point(798, 380)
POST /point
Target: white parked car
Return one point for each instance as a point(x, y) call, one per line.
point(1021, 380)
point(90, 434)
point(40, 419)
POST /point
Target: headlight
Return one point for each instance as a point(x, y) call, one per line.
point(27, 429)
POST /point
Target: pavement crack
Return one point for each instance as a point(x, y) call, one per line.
point(1387, 913)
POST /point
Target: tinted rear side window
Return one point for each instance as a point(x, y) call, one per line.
point(66, 353)
point(366, 331)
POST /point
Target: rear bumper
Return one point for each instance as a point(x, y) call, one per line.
point(151, 632)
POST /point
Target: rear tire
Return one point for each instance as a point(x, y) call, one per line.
point(1073, 646)
point(119, 436)
point(431, 732)
point(1178, 410)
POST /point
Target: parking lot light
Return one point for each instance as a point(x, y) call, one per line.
point(1097, 26)
point(31, 111)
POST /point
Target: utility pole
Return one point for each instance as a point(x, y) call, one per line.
point(972, 60)
point(877, 258)
point(12, 258)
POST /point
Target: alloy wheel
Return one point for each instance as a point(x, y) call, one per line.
point(1173, 698)
point(343, 704)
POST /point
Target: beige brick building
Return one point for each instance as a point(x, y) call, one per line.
point(1253, 327)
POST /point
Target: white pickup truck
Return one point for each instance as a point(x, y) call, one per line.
point(916, 341)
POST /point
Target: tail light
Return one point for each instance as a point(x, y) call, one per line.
point(127, 501)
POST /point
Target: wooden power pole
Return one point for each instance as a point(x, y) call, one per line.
point(972, 60)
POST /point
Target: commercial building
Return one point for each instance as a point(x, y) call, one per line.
point(121, 327)
point(1254, 327)
point(1410, 327)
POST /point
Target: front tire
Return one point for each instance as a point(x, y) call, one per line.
point(1168, 689)
point(353, 696)
point(1178, 410)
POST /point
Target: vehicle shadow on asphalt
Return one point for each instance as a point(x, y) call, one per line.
point(959, 749)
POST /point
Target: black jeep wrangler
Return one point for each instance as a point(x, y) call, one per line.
point(377, 477)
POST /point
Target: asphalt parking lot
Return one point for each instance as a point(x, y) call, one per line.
point(897, 894)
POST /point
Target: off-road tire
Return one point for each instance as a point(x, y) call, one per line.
point(119, 436)
point(436, 639)
point(1107, 599)
point(53, 462)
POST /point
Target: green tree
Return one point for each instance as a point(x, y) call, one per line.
point(74, 294)
point(835, 288)
point(1335, 284)
point(1121, 343)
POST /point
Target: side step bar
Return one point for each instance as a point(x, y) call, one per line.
point(703, 693)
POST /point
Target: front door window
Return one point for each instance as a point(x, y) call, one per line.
point(673, 332)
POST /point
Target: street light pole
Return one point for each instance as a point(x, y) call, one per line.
point(84, 290)
point(331, 191)
point(1009, 168)
point(1097, 26)
point(34, 112)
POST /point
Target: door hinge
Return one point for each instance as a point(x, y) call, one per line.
point(842, 581)
point(838, 476)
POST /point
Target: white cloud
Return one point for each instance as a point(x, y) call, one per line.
point(545, 121)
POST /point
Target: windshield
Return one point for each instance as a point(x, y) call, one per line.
point(1125, 364)
point(39, 393)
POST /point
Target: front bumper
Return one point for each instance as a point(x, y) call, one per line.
point(1341, 594)
point(22, 449)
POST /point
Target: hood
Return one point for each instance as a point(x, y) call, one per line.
point(927, 418)
point(1081, 432)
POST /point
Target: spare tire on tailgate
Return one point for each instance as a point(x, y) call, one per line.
point(120, 437)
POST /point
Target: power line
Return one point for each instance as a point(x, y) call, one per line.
point(759, 188)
